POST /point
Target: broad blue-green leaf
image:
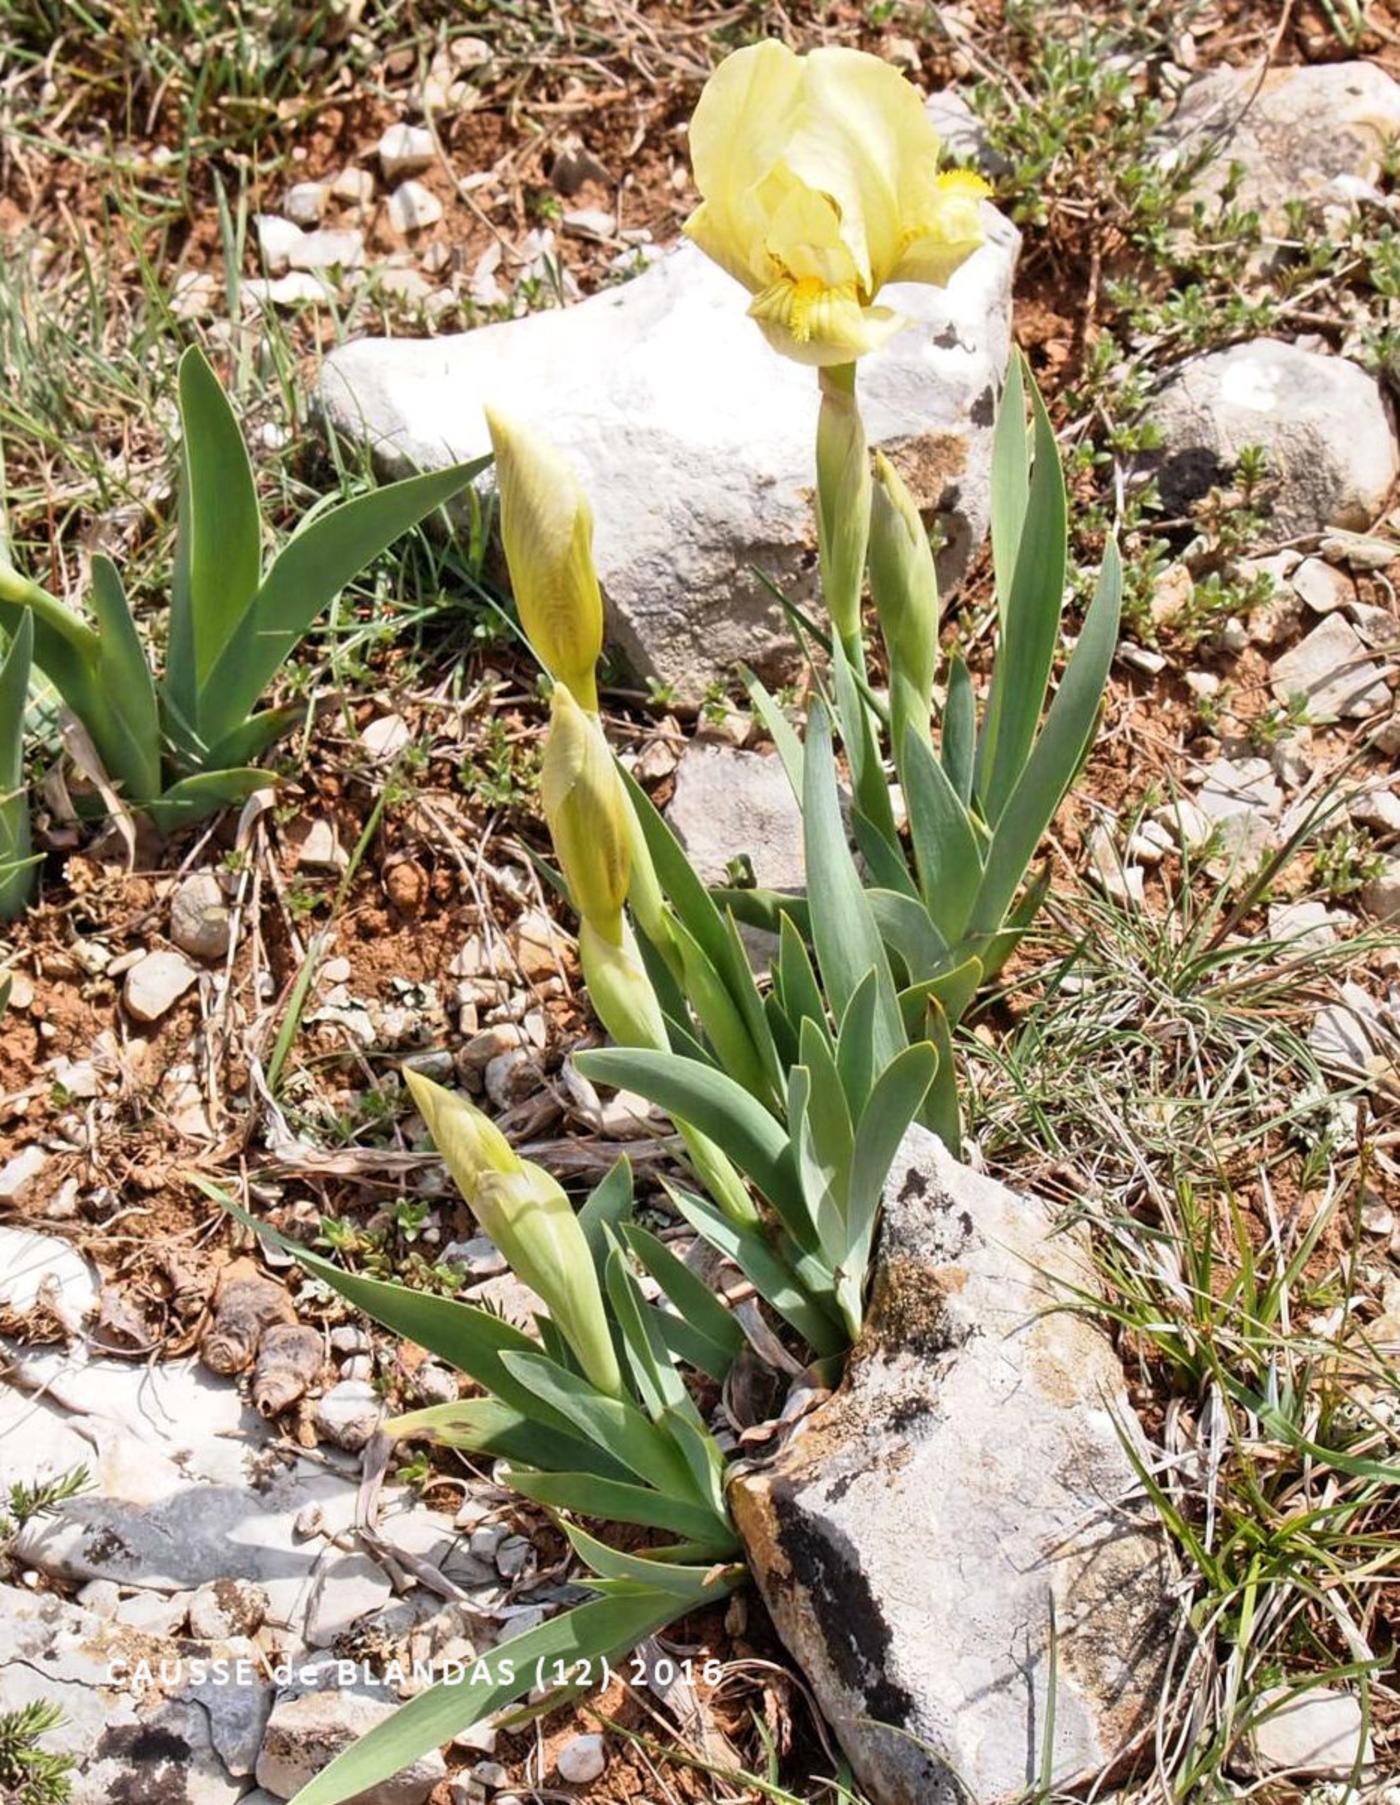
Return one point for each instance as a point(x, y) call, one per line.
point(941, 1114)
point(1031, 627)
point(467, 1338)
point(951, 990)
point(605, 1627)
point(777, 726)
point(607, 1205)
point(801, 994)
point(305, 577)
point(945, 846)
point(907, 930)
point(194, 799)
point(999, 948)
point(253, 737)
point(958, 747)
point(1010, 481)
point(843, 928)
point(616, 1425)
point(218, 549)
point(489, 1426)
point(766, 1272)
point(690, 899)
point(692, 1297)
point(16, 860)
point(714, 1104)
point(694, 1583)
point(654, 1377)
point(1057, 753)
point(856, 1063)
point(606, 1500)
point(130, 745)
point(872, 792)
point(766, 910)
point(894, 1103)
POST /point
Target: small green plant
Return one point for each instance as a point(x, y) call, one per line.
point(179, 748)
point(30, 1775)
point(25, 1502)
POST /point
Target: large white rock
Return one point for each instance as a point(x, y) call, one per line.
point(1324, 424)
point(128, 1742)
point(307, 1731)
point(726, 804)
point(969, 1474)
point(40, 1270)
point(1293, 135)
point(185, 1486)
point(694, 440)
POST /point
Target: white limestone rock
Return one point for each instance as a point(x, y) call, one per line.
point(41, 1270)
point(1333, 671)
point(1294, 135)
point(901, 1538)
point(1325, 425)
point(694, 440)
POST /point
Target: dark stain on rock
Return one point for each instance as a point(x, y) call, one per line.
point(854, 1631)
point(984, 409)
point(915, 1185)
point(155, 1761)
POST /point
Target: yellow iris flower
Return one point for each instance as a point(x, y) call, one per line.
point(820, 183)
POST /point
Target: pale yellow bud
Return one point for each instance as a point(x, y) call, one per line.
point(904, 585)
point(589, 818)
point(529, 1218)
point(547, 530)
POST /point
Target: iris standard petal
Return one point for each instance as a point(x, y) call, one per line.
point(946, 232)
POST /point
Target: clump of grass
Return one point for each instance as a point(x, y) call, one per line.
point(1159, 1079)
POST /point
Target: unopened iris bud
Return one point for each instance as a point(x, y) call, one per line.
point(529, 1218)
point(904, 585)
point(547, 530)
point(589, 818)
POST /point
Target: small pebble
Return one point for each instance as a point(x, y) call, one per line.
point(305, 203)
point(404, 150)
point(582, 1759)
point(413, 208)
